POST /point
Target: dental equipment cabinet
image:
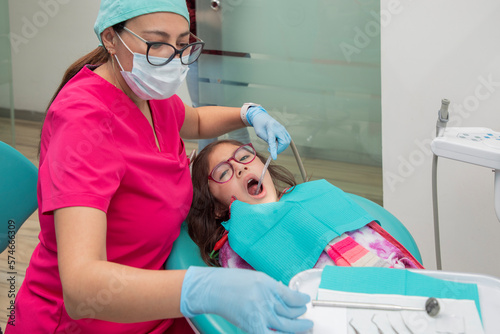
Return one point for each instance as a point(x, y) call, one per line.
point(475, 145)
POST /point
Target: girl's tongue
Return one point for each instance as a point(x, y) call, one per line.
point(252, 187)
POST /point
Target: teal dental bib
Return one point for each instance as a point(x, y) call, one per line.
point(286, 237)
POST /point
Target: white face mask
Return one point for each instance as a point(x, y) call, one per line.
point(150, 82)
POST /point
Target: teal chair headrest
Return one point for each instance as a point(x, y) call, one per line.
point(18, 198)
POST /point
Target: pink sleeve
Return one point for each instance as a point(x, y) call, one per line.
point(181, 110)
point(79, 163)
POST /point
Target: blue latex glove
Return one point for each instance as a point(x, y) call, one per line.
point(268, 129)
point(249, 299)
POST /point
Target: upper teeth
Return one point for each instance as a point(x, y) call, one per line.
point(250, 180)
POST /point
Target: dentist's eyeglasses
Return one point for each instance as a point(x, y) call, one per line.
point(159, 53)
point(224, 171)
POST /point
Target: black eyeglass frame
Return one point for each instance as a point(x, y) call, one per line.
point(176, 51)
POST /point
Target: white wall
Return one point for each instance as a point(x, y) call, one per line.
point(433, 50)
point(47, 37)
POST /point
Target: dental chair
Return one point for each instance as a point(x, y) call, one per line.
point(185, 253)
point(18, 198)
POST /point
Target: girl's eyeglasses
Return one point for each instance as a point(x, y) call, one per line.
point(224, 171)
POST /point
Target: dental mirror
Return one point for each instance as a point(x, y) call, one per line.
point(432, 307)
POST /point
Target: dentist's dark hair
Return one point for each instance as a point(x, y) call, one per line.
point(96, 57)
point(207, 213)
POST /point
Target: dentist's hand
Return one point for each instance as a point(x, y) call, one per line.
point(268, 129)
point(248, 299)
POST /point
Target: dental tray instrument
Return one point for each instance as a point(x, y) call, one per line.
point(431, 306)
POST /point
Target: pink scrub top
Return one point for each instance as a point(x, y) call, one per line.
point(98, 150)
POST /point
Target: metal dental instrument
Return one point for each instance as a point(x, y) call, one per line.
point(352, 326)
point(431, 306)
point(376, 325)
point(297, 158)
point(264, 172)
point(262, 175)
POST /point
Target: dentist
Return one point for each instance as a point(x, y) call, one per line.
point(114, 187)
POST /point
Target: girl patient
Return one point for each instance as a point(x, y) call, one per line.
point(281, 228)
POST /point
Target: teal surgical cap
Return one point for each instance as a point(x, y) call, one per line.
point(116, 11)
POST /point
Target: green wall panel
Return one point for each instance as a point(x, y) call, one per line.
point(7, 131)
point(314, 64)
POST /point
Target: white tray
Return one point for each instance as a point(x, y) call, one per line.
point(488, 287)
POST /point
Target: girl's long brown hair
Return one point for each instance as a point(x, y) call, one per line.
point(204, 224)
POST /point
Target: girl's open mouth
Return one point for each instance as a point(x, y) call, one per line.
point(252, 187)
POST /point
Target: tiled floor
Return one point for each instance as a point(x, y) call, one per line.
point(362, 180)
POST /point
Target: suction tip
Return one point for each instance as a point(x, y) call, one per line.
point(443, 112)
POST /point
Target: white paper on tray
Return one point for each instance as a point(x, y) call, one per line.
point(456, 316)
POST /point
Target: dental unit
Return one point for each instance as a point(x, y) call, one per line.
point(475, 145)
